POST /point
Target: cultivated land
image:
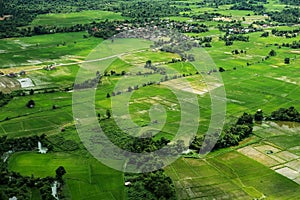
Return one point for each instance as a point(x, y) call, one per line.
point(264, 166)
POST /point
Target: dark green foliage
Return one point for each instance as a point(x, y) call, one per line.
point(30, 104)
point(245, 119)
point(4, 98)
point(108, 114)
point(286, 114)
point(286, 33)
point(248, 6)
point(230, 136)
point(265, 34)
point(151, 186)
point(291, 2)
point(60, 171)
point(287, 61)
point(289, 15)
point(21, 144)
point(259, 116)
point(221, 69)
point(272, 53)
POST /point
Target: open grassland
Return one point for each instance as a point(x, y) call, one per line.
point(45, 49)
point(69, 19)
point(86, 178)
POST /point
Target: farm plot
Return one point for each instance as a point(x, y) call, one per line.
point(8, 84)
point(69, 19)
point(279, 160)
point(228, 176)
point(26, 82)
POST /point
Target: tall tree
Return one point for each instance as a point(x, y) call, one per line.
point(60, 171)
point(1, 8)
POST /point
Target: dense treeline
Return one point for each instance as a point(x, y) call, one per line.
point(293, 45)
point(229, 137)
point(291, 2)
point(229, 39)
point(286, 33)
point(152, 186)
point(258, 9)
point(21, 144)
point(289, 16)
point(285, 114)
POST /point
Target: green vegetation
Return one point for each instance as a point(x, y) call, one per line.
point(69, 19)
point(254, 44)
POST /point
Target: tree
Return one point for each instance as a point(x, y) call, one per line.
point(265, 34)
point(148, 64)
point(221, 69)
point(30, 104)
point(108, 114)
point(31, 92)
point(258, 116)
point(287, 61)
point(60, 171)
point(272, 53)
point(228, 43)
point(245, 119)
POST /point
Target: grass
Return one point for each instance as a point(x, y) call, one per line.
point(36, 50)
point(86, 178)
point(69, 19)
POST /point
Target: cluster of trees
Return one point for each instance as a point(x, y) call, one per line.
point(205, 16)
point(258, 9)
point(285, 114)
point(265, 34)
point(291, 2)
point(14, 184)
point(204, 41)
point(286, 33)
point(230, 38)
point(293, 45)
point(237, 132)
point(154, 185)
point(230, 25)
point(236, 51)
point(22, 144)
point(156, 69)
point(90, 83)
point(287, 16)
point(229, 137)
point(4, 98)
